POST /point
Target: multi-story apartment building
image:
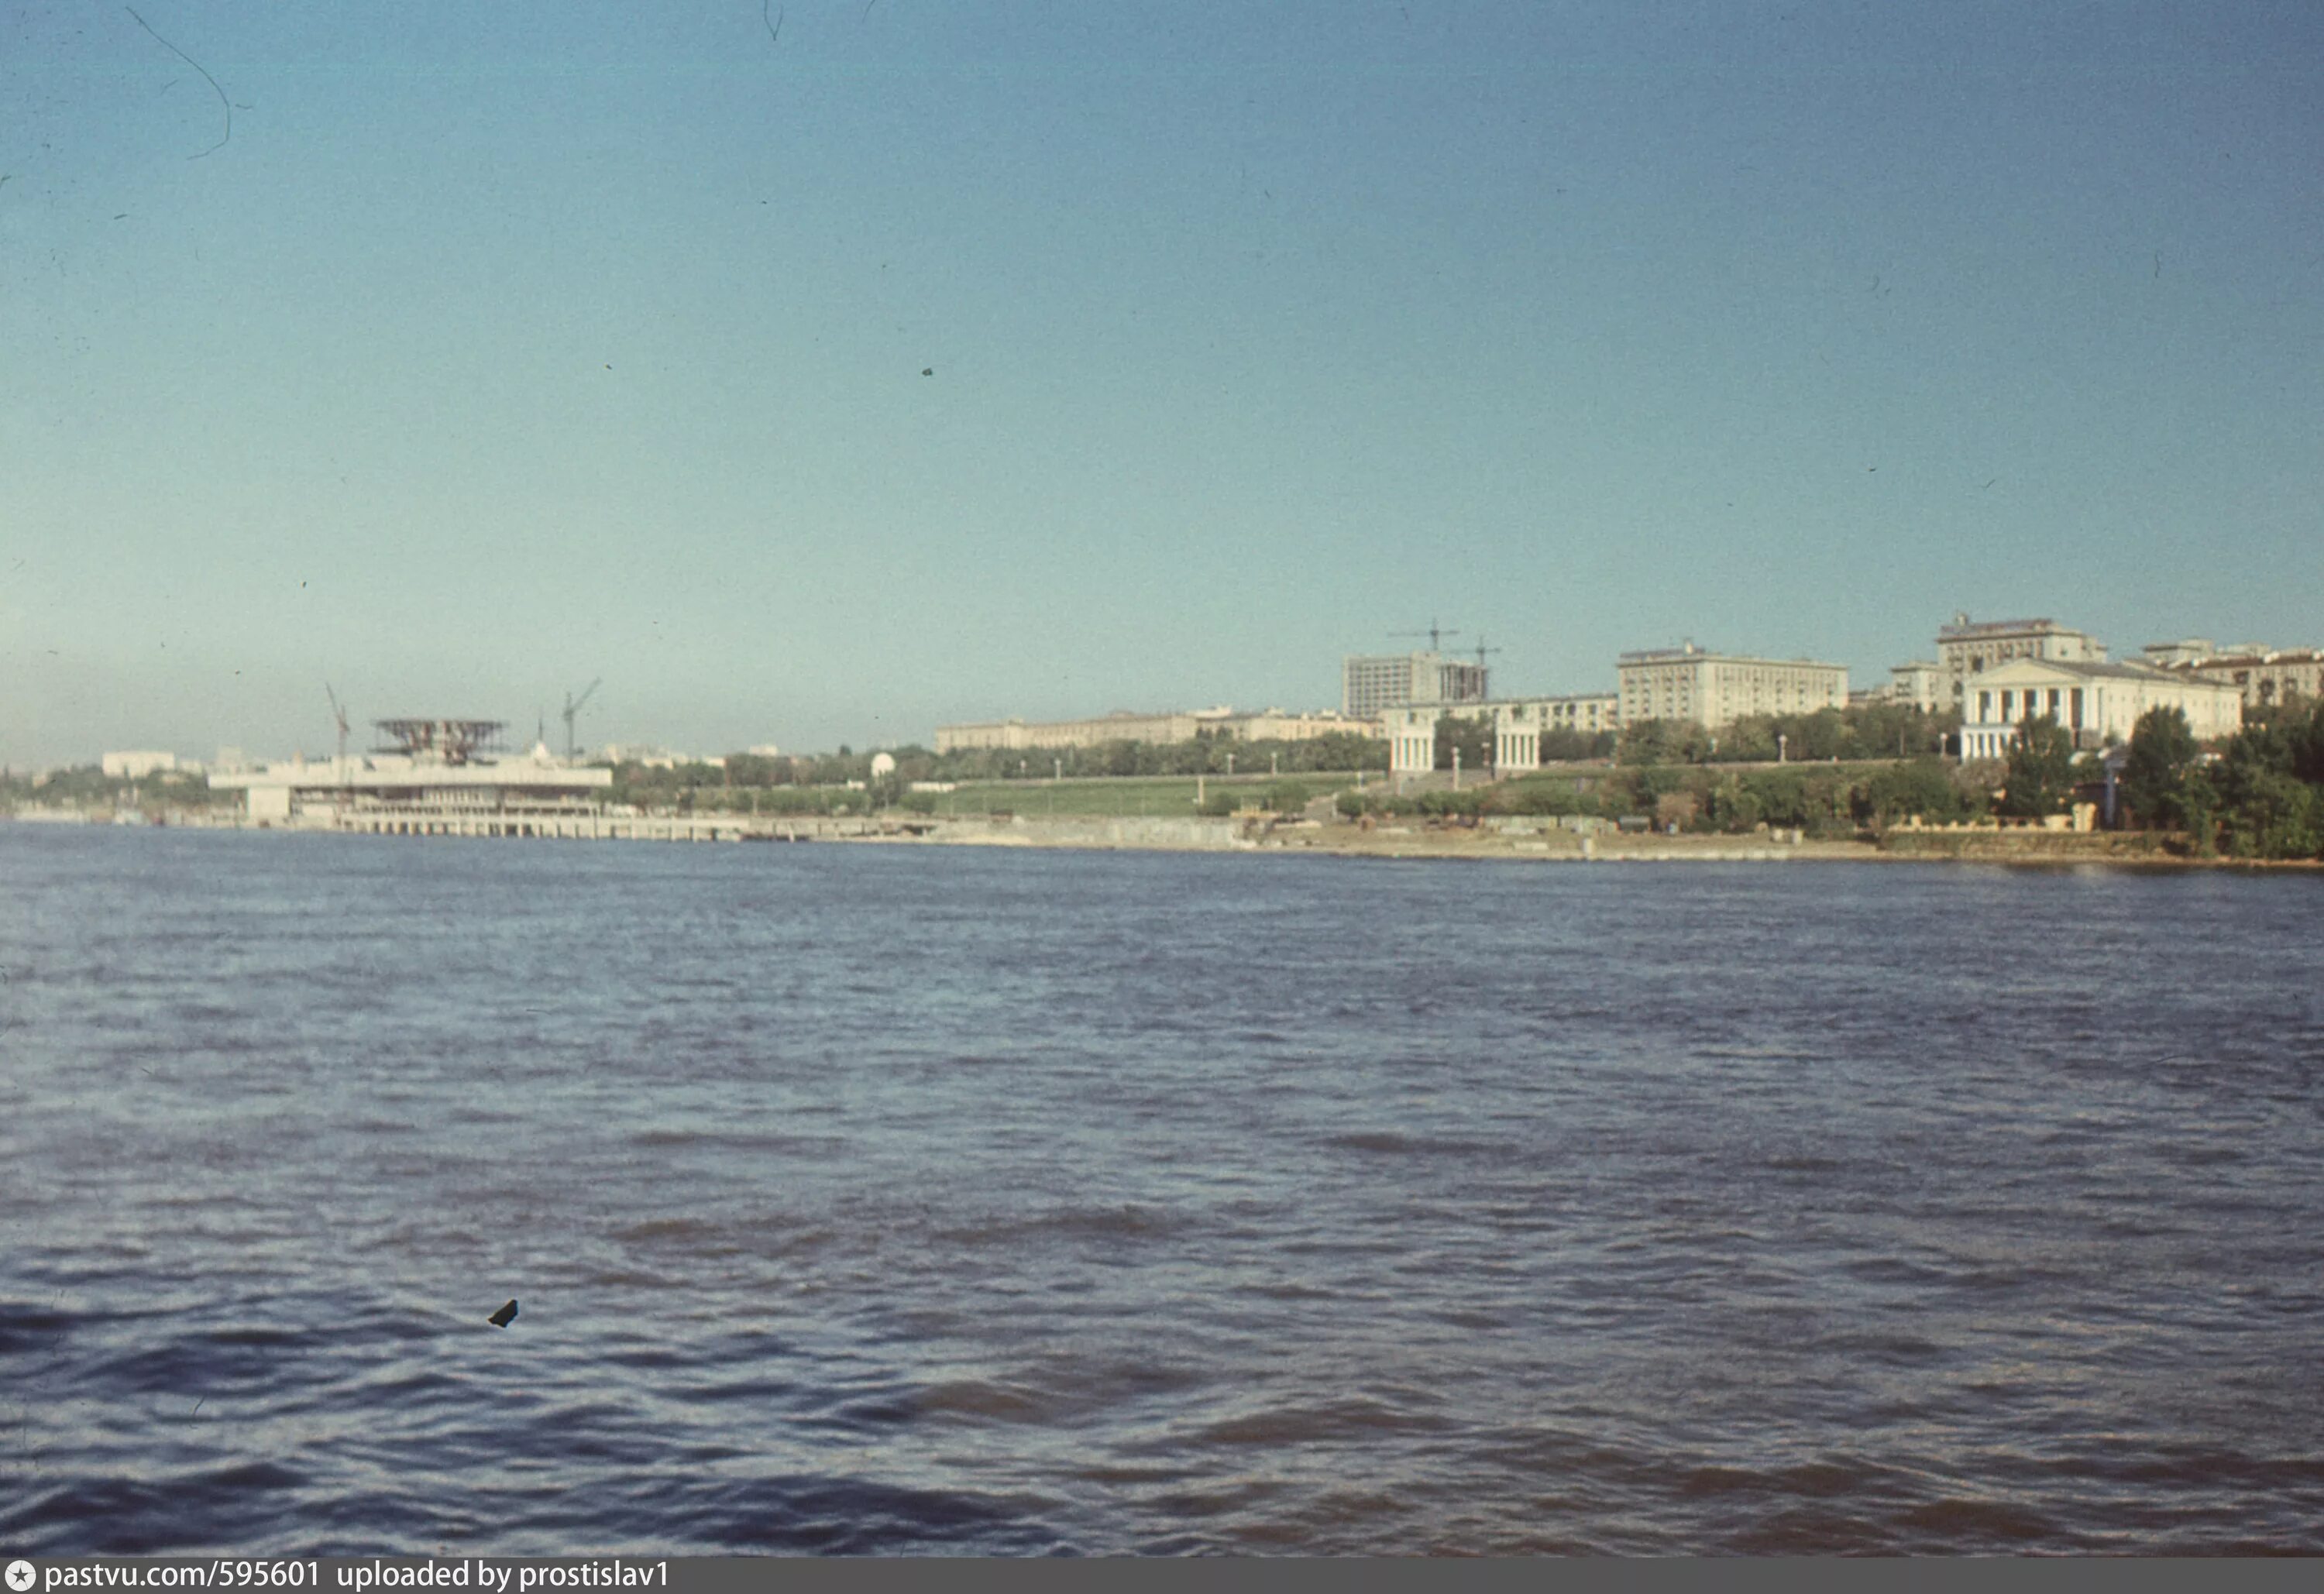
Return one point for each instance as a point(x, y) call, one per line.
point(1370, 683)
point(136, 766)
point(1272, 724)
point(1918, 683)
point(1715, 689)
point(2263, 675)
point(1967, 648)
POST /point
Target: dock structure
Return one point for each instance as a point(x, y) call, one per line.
point(440, 772)
point(578, 823)
point(450, 778)
point(572, 824)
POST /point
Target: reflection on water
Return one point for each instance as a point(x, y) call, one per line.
point(905, 1199)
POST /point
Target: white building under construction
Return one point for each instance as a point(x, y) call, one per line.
point(428, 777)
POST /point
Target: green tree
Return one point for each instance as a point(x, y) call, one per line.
point(1733, 806)
point(2264, 809)
point(1750, 739)
point(2154, 770)
point(1923, 789)
point(1819, 736)
point(2304, 741)
point(1563, 744)
point(2041, 778)
point(1663, 741)
point(1471, 734)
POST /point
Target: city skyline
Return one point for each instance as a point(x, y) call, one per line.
point(924, 366)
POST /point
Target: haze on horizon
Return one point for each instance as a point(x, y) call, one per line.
point(827, 381)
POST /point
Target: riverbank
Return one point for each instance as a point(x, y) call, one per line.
point(1552, 844)
point(1502, 840)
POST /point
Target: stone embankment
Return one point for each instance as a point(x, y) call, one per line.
point(1516, 839)
point(1174, 835)
point(1342, 839)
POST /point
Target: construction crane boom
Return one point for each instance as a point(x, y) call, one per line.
point(572, 708)
point(1436, 634)
point(339, 713)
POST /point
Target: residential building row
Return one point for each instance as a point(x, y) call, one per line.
point(2000, 673)
point(1164, 729)
point(137, 765)
point(1995, 673)
point(2263, 674)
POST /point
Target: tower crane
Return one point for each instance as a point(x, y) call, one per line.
point(572, 707)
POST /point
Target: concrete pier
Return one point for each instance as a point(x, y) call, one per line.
point(580, 823)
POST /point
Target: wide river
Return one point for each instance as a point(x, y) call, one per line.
point(895, 1199)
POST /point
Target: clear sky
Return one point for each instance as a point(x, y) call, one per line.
point(928, 361)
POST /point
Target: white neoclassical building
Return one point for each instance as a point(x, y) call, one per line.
point(2098, 702)
point(1968, 647)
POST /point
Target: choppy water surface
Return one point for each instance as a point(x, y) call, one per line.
point(896, 1200)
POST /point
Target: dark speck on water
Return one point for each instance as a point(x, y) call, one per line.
point(942, 1200)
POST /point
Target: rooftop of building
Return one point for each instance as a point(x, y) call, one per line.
point(535, 769)
point(2087, 670)
point(1963, 629)
point(1688, 650)
point(2246, 654)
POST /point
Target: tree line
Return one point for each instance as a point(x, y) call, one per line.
point(1860, 733)
point(2260, 796)
point(665, 785)
point(89, 786)
point(1820, 799)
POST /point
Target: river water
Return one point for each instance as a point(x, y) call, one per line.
point(909, 1199)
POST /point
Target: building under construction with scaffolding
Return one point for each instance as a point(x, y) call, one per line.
point(428, 776)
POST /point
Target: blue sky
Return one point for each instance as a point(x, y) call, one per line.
point(499, 348)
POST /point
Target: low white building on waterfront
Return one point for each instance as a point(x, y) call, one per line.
point(439, 776)
point(2098, 703)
